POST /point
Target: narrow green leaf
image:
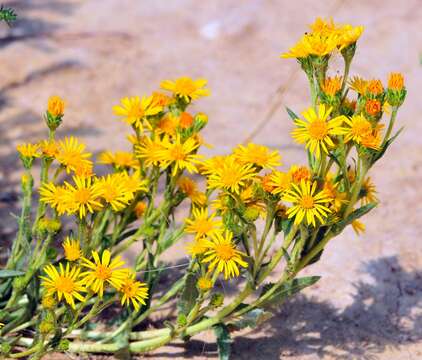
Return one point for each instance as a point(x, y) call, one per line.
point(292, 115)
point(288, 289)
point(251, 319)
point(10, 273)
point(354, 216)
point(387, 144)
point(223, 341)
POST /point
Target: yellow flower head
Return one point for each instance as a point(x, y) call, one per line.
point(201, 224)
point(83, 197)
point(313, 44)
point(197, 247)
point(299, 173)
point(279, 182)
point(120, 159)
point(71, 154)
point(373, 107)
point(187, 185)
point(48, 302)
point(150, 151)
point(204, 283)
point(133, 291)
point(223, 256)
point(357, 128)
point(160, 99)
point(317, 131)
point(374, 87)
point(230, 175)
point(257, 155)
point(332, 85)
point(49, 148)
point(135, 110)
point(396, 81)
point(140, 208)
point(185, 120)
point(132, 183)
point(331, 190)
point(368, 192)
point(323, 27)
point(113, 191)
point(180, 155)
point(65, 283)
point(56, 106)
point(28, 150)
point(307, 204)
point(72, 249)
point(55, 196)
point(103, 271)
point(167, 125)
point(349, 34)
point(358, 84)
point(186, 88)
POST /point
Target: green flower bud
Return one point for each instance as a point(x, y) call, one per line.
point(217, 300)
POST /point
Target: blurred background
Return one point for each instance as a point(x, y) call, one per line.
point(94, 52)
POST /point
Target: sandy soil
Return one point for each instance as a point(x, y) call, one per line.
point(368, 304)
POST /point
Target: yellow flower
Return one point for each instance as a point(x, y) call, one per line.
point(223, 256)
point(113, 191)
point(160, 99)
point(133, 183)
point(332, 85)
point(323, 27)
point(279, 182)
point(185, 120)
point(71, 154)
point(103, 271)
point(374, 87)
point(307, 204)
point(55, 196)
point(179, 155)
point(317, 131)
point(167, 125)
point(197, 247)
point(299, 173)
point(49, 148)
point(83, 197)
point(230, 175)
point(357, 128)
point(358, 227)
point(373, 107)
point(48, 302)
point(331, 190)
point(204, 283)
point(120, 159)
point(150, 151)
point(372, 140)
point(258, 155)
point(396, 81)
point(72, 249)
point(55, 106)
point(65, 283)
point(358, 84)
point(318, 44)
point(349, 35)
point(186, 88)
point(28, 150)
point(136, 110)
point(133, 291)
point(140, 208)
point(187, 185)
point(201, 224)
point(368, 192)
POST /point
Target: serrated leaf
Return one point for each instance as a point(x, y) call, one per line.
point(251, 319)
point(10, 273)
point(292, 115)
point(224, 341)
point(288, 289)
point(189, 294)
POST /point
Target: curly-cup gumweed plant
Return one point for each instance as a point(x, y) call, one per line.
point(67, 284)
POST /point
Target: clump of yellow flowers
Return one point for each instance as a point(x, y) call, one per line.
point(91, 244)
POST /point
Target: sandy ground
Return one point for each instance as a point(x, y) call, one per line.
point(368, 303)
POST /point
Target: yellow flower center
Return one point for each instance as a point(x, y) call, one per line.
point(83, 196)
point(318, 129)
point(72, 253)
point(103, 272)
point(65, 284)
point(361, 128)
point(177, 152)
point(110, 193)
point(129, 288)
point(307, 202)
point(230, 177)
point(225, 252)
